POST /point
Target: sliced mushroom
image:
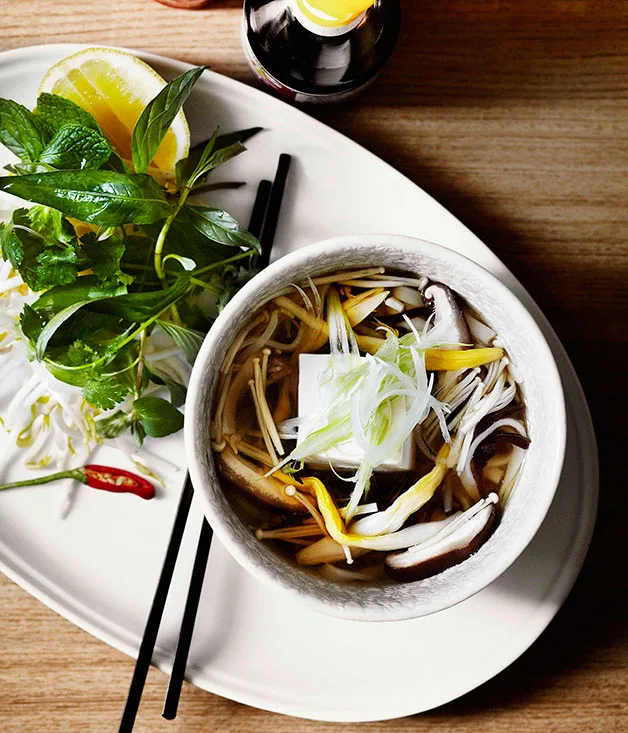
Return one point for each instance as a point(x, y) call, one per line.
point(248, 476)
point(450, 325)
point(324, 551)
point(456, 543)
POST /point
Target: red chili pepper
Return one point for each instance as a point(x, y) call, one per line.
point(98, 477)
point(117, 480)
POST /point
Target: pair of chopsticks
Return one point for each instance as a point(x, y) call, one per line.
point(263, 224)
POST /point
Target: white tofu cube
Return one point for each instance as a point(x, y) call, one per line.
point(348, 454)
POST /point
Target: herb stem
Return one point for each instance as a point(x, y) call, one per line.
point(161, 239)
point(207, 286)
point(140, 364)
point(213, 266)
point(75, 473)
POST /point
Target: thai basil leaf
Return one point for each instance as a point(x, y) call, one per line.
point(57, 112)
point(186, 166)
point(142, 307)
point(21, 131)
point(217, 158)
point(24, 169)
point(158, 417)
point(59, 319)
point(87, 287)
point(106, 198)
point(224, 141)
point(178, 392)
point(185, 240)
point(53, 325)
point(188, 340)
point(189, 169)
point(76, 147)
point(154, 122)
point(221, 227)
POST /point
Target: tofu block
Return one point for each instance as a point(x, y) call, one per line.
point(349, 454)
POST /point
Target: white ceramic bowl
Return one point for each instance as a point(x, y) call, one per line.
point(542, 392)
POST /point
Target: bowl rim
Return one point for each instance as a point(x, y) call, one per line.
point(192, 429)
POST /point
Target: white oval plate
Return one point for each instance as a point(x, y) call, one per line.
point(98, 567)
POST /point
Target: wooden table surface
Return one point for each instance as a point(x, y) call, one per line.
point(514, 115)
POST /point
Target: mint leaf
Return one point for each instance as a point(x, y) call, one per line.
point(158, 416)
point(188, 340)
point(57, 112)
point(21, 131)
point(114, 425)
point(219, 226)
point(105, 198)
point(76, 147)
point(154, 122)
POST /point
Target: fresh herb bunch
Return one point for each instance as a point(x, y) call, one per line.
point(112, 254)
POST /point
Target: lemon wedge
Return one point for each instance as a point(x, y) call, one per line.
point(114, 87)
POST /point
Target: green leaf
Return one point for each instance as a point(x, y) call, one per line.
point(24, 169)
point(221, 227)
point(224, 141)
point(114, 425)
point(104, 256)
point(57, 112)
point(154, 122)
point(189, 169)
point(142, 307)
point(51, 224)
point(185, 240)
point(56, 322)
point(178, 391)
point(187, 263)
point(106, 198)
point(86, 287)
point(76, 147)
point(187, 165)
point(31, 323)
point(21, 131)
point(158, 417)
point(104, 393)
point(188, 340)
point(42, 262)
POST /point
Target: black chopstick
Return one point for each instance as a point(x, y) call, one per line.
point(258, 214)
point(173, 693)
point(153, 622)
point(269, 228)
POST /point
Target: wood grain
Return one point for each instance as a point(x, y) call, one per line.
point(514, 115)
